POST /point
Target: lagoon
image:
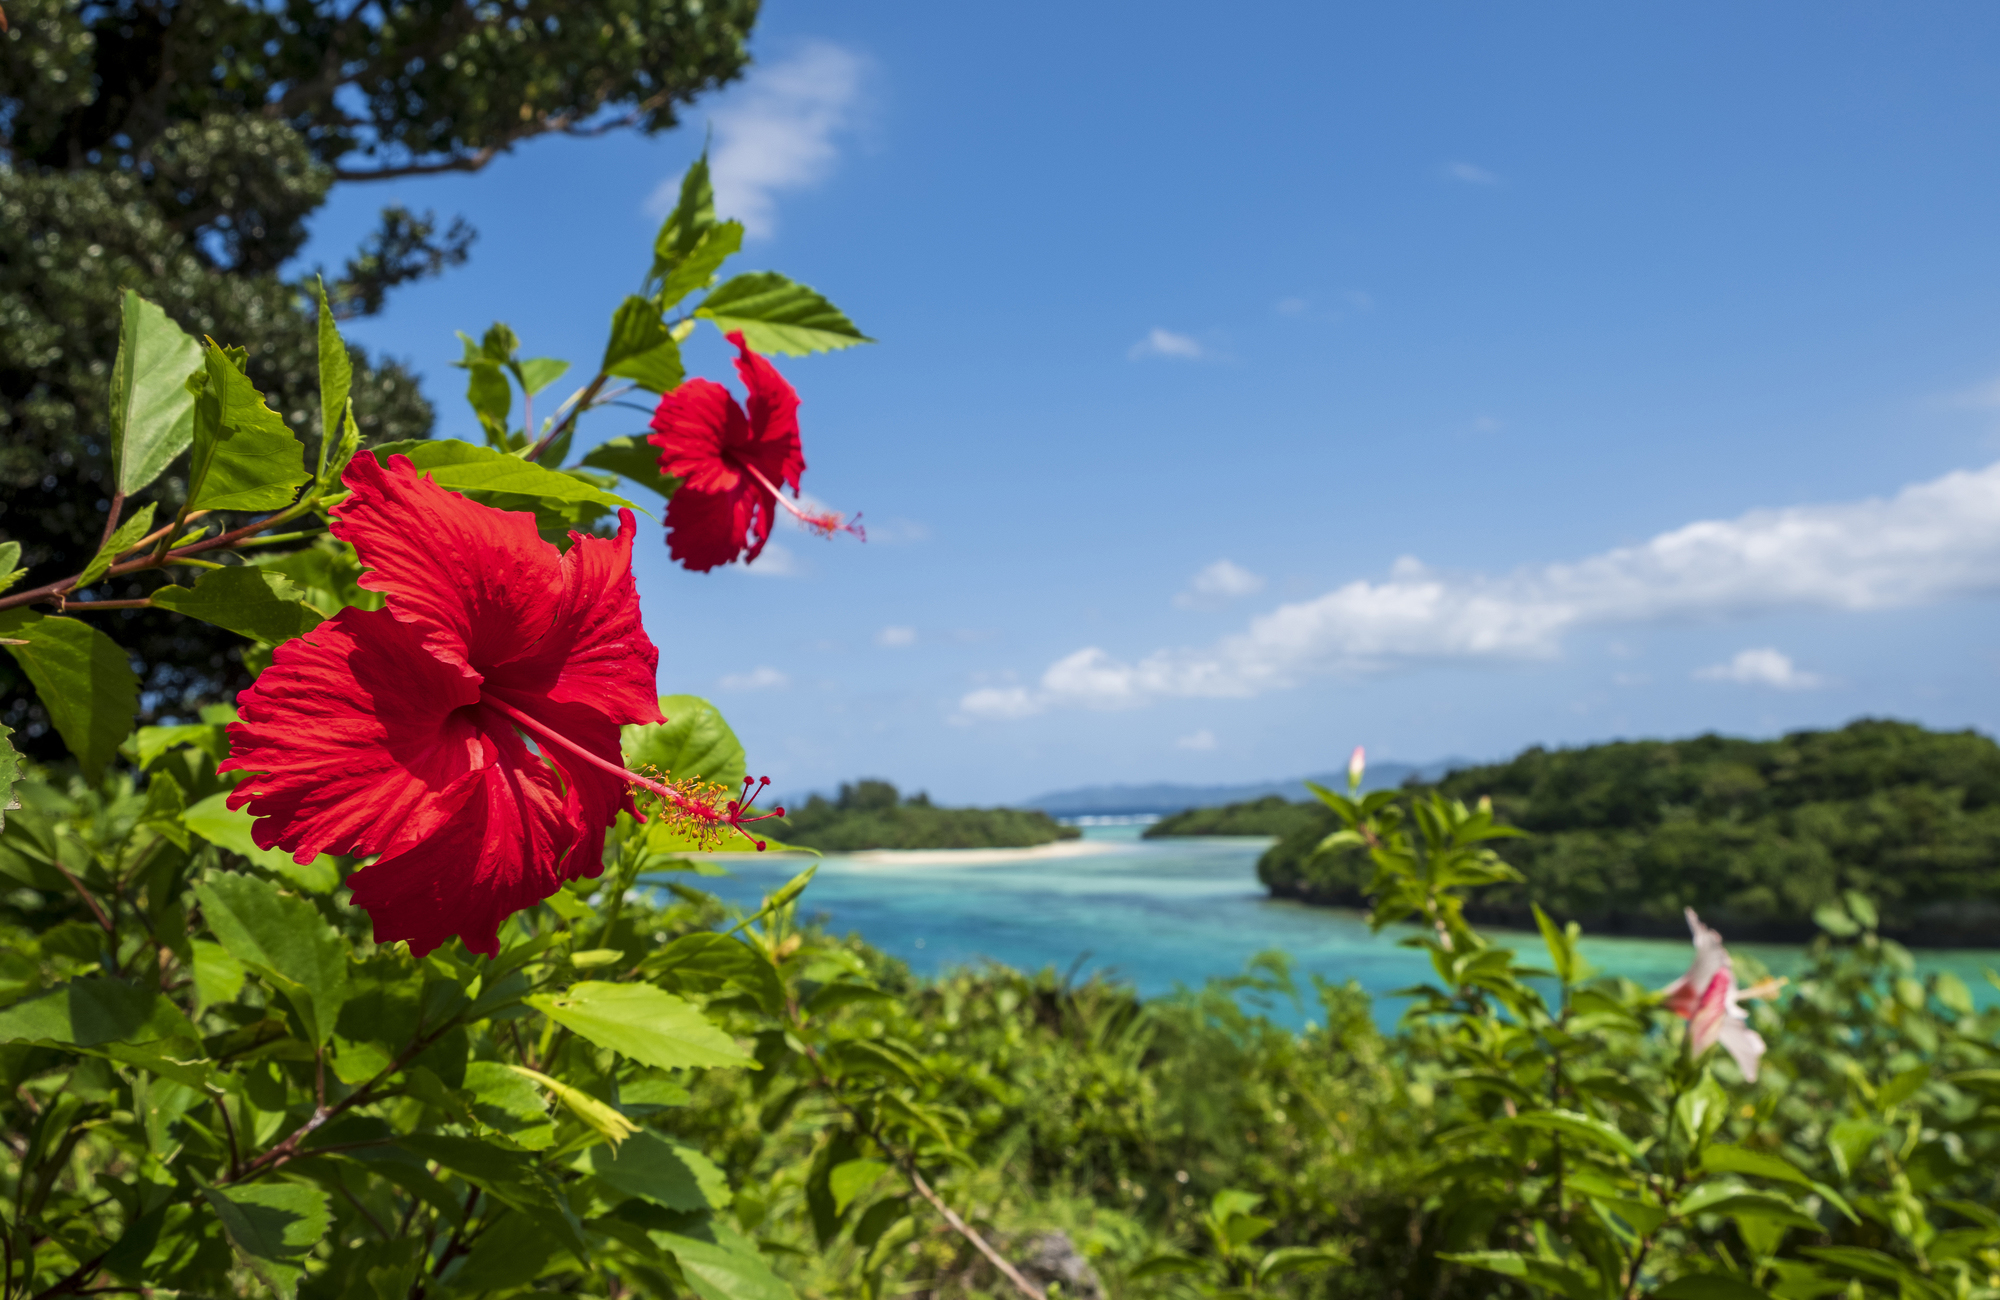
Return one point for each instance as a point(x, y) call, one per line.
point(1159, 914)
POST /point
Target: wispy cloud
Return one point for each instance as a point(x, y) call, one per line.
point(1166, 343)
point(776, 561)
point(1762, 667)
point(1929, 542)
point(1218, 584)
point(778, 132)
point(1203, 739)
point(757, 679)
point(1469, 174)
point(896, 637)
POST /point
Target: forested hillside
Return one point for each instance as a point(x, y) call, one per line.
point(1754, 834)
point(874, 815)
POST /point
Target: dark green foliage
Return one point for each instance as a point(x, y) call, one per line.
point(1755, 835)
point(872, 815)
point(180, 149)
point(1272, 815)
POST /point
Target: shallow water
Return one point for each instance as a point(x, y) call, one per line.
point(1161, 913)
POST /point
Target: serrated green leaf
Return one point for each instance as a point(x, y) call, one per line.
point(10, 772)
point(538, 373)
point(120, 541)
point(230, 828)
point(10, 556)
point(697, 269)
point(640, 348)
point(245, 458)
point(496, 478)
point(692, 216)
point(720, 1264)
point(336, 381)
point(152, 412)
point(850, 1178)
point(273, 1226)
point(777, 314)
point(90, 1012)
point(641, 1022)
point(659, 1169)
point(636, 459)
point(285, 940)
point(248, 600)
point(84, 679)
point(694, 742)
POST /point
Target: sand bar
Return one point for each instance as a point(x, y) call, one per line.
point(978, 857)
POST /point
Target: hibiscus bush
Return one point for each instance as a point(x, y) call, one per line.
point(392, 979)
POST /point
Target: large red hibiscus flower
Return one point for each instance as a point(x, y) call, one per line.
point(400, 731)
point(732, 464)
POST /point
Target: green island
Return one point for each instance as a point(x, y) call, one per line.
point(875, 815)
point(1756, 835)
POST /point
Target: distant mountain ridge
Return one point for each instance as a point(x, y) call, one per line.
point(1165, 797)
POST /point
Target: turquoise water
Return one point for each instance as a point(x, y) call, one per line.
point(1159, 914)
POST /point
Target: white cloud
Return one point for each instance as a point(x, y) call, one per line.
point(775, 561)
point(894, 637)
point(1929, 542)
point(757, 679)
point(1292, 306)
point(1166, 343)
point(1203, 739)
point(1762, 667)
point(1218, 583)
point(1469, 174)
point(777, 133)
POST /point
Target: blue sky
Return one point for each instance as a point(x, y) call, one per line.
point(1257, 382)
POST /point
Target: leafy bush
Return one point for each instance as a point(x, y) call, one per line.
point(874, 815)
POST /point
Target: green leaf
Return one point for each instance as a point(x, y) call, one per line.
point(694, 742)
point(152, 411)
point(1586, 1128)
point(636, 459)
point(1701, 1109)
point(670, 1174)
point(492, 401)
point(720, 1264)
point(126, 536)
point(273, 1226)
point(93, 1011)
point(1545, 1273)
point(640, 348)
point(230, 828)
point(538, 373)
point(285, 940)
point(336, 381)
point(10, 772)
point(498, 479)
point(1165, 1265)
point(647, 1024)
point(1297, 1259)
point(697, 269)
point(1738, 1203)
point(850, 1178)
point(508, 1253)
point(1763, 1164)
point(248, 600)
point(10, 555)
point(777, 314)
point(245, 458)
point(1903, 1087)
point(687, 223)
point(85, 681)
point(1709, 1286)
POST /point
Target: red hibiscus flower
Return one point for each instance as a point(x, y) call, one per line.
point(400, 731)
point(732, 465)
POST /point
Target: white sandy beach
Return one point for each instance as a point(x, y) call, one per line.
point(977, 857)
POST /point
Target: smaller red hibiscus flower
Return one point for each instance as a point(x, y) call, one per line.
point(405, 731)
point(732, 465)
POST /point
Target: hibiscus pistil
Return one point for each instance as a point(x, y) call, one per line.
point(824, 522)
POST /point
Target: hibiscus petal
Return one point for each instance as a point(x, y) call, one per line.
point(1743, 1043)
point(692, 426)
point(1711, 1013)
point(479, 583)
point(592, 797)
point(774, 417)
point(596, 650)
point(706, 529)
point(505, 850)
point(356, 738)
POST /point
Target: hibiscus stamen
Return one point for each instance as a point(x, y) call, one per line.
point(824, 522)
point(690, 803)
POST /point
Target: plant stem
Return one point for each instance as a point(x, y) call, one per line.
point(582, 405)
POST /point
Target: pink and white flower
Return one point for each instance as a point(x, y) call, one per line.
point(1708, 999)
